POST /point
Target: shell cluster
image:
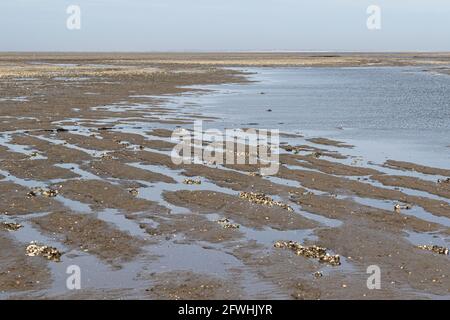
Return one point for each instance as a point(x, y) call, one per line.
point(11, 226)
point(314, 252)
point(50, 253)
point(106, 156)
point(43, 191)
point(261, 198)
point(49, 193)
point(192, 181)
point(435, 249)
point(226, 224)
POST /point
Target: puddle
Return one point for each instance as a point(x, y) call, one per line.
point(75, 168)
point(95, 274)
point(92, 152)
point(5, 140)
point(269, 236)
point(71, 204)
point(194, 258)
point(332, 223)
point(116, 218)
point(427, 238)
point(71, 79)
point(154, 191)
point(407, 191)
point(14, 99)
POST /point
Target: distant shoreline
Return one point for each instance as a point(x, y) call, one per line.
point(242, 59)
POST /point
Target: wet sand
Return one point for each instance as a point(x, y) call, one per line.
point(96, 129)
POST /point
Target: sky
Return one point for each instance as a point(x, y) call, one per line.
point(225, 25)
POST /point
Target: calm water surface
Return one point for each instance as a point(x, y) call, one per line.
point(390, 112)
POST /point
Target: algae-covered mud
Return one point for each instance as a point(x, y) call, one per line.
point(94, 205)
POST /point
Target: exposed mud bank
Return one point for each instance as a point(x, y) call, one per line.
point(117, 204)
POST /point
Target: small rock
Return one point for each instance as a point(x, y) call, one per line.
point(254, 174)
point(31, 194)
point(104, 128)
point(398, 207)
point(226, 224)
point(11, 226)
point(133, 191)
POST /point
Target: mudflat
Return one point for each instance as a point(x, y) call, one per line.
point(86, 168)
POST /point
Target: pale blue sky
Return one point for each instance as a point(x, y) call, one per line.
point(224, 25)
